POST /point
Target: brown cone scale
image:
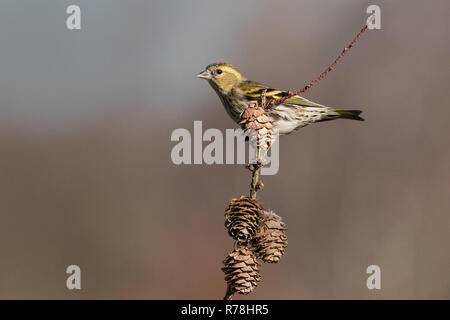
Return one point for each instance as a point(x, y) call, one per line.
point(257, 119)
point(242, 218)
point(241, 270)
point(271, 240)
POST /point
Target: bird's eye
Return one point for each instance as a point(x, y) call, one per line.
point(219, 71)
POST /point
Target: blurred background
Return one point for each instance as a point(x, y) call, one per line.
point(86, 174)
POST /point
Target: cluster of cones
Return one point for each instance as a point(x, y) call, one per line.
point(259, 235)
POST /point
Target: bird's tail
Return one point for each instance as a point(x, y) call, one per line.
point(349, 114)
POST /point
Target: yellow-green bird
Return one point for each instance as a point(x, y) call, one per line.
point(236, 93)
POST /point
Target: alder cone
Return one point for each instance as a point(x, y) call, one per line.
point(243, 218)
point(271, 240)
point(241, 270)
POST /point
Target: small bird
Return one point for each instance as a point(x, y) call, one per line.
point(236, 93)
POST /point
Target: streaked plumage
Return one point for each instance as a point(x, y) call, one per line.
point(236, 93)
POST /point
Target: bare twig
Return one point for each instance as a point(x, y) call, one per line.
point(323, 74)
point(228, 294)
point(256, 170)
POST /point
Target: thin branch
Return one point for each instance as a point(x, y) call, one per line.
point(228, 294)
point(254, 186)
point(323, 74)
point(256, 168)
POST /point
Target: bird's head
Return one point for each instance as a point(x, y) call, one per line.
point(222, 76)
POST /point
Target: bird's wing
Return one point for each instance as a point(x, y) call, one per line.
point(253, 90)
point(300, 101)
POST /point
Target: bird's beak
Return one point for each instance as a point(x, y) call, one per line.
point(205, 75)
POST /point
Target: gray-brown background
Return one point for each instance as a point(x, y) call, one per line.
point(86, 175)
